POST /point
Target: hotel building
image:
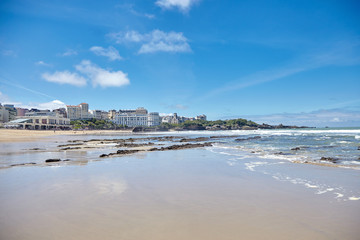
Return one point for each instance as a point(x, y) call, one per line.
point(138, 117)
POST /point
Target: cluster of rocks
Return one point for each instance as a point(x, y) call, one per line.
point(249, 138)
point(51, 160)
point(119, 152)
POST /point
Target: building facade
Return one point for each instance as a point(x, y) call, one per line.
point(40, 121)
point(138, 117)
point(77, 112)
point(4, 114)
point(12, 111)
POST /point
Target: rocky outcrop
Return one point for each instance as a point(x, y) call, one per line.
point(53, 160)
point(199, 139)
point(130, 145)
point(70, 148)
point(329, 159)
point(295, 149)
point(119, 152)
point(249, 138)
point(182, 146)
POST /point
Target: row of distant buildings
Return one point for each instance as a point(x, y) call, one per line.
point(12, 116)
point(130, 118)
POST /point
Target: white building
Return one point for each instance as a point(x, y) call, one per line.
point(40, 121)
point(138, 117)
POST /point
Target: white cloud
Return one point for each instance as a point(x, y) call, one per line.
point(69, 52)
point(155, 41)
point(102, 77)
point(55, 104)
point(65, 77)
point(42, 63)
point(182, 5)
point(109, 52)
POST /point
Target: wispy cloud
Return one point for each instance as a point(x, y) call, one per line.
point(42, 63)
point(54, 104)
point(130, 8)
point(155, 41)
point(65, 77)
point(9, 53)
point(178, 106)
point(109, 52)
point(102, 77)
point(182, 5)
point(340, 53)
point(11, 83)
point(69, 52)
point(319, 118)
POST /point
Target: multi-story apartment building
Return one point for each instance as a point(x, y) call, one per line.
point(76, 112)
point(138, 117)
point(175, 119)
point(12, 111)
point(99, 114)
point(4, 114)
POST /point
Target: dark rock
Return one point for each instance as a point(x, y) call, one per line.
point(70, 148)
point(295, 149)
point(358, 147)
point(36, 149)
point(53, 160)
point(329, 159)
point(182, 146)
point(234, 136)
point(119, 152)
point(22, 164)
point(199, 139)
point(135, 144)
point(70, 145)
point(249, 138)
point(138, 129)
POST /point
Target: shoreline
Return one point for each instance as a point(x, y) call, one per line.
point(22, 135)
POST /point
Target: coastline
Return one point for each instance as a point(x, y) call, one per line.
point(186, 194)
point(21, 135)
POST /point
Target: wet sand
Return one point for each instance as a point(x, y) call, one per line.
point(185, 194)
point(19, 135)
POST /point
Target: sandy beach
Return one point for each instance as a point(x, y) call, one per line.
point(19, 135)
point(159, 192)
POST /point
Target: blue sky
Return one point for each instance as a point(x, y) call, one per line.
point(270, 61)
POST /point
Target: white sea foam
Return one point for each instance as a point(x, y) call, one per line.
point(339, 195)
point(308, 185)
point(325, 191)
point(354, 198)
